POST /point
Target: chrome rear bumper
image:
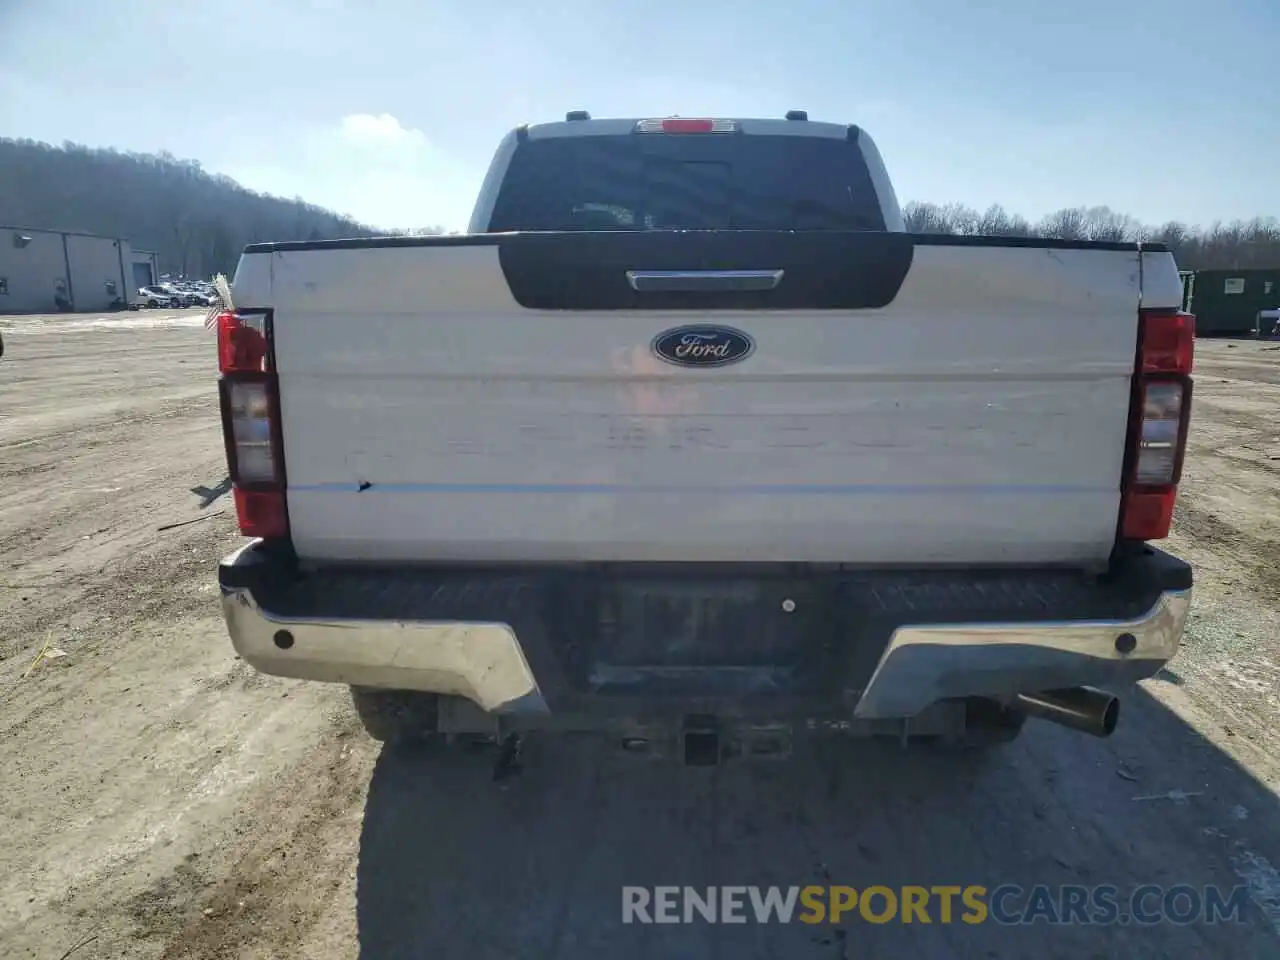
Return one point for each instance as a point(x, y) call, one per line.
point(488, 661)
point(923, 664)
point(480, 661)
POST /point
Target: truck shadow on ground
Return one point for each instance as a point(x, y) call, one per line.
point(453, 864)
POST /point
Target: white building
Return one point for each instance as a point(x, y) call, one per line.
point(46, 271)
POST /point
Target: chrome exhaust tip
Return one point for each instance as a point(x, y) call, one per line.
point(1086, 709)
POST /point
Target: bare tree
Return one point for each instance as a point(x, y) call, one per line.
point(1065, 224)
point(925, 218)
point(963, 220)
point(198, 223)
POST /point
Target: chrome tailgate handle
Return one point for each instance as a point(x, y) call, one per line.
point(702, 281)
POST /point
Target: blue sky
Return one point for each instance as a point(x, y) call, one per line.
point(388, 110)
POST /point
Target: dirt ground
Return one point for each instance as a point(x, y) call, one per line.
point(159, 799)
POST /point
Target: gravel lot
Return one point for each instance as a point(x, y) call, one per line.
point(162, 800)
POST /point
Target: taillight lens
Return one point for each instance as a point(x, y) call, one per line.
point(1148, 516)
point(262, 513)
point(1168, 343)
point(1158, 431)
point(686, 125)
point(249, 405)
point(251, 424)
point(242, 342)
point(1158, 437)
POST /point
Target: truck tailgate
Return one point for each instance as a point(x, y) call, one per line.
point(907, 401)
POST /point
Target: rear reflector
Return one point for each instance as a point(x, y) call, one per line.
point(262, 513)
point(686, 125)
point(1158, 426)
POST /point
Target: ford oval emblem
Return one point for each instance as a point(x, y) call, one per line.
point(705, 345)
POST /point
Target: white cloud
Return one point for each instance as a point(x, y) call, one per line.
point(371, 166)
point(380, 127)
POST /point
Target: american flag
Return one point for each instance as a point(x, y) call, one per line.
point(222, 301)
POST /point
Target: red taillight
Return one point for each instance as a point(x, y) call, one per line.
point(1148, 516)
point(683, 125)
point(262, 513)
point(249, 392)
point(686, 125)
point(1168, 343)
point(242, 343)
point(1161, 408)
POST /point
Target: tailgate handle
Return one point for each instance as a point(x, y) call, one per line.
point(702, 281)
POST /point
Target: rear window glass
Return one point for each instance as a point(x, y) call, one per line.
point(687, 182)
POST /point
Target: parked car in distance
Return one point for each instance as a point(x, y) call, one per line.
point(189, 293)
point(178, 296)
point(154, 297)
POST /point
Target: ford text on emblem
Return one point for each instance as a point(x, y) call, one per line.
point(703, 346)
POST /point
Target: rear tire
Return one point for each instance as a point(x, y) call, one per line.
point(409, 717)
point(989, 725)
point(396, 716)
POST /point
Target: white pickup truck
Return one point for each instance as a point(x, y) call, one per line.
point(689, 443)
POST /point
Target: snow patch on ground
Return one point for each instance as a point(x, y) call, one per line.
point(36, 326)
